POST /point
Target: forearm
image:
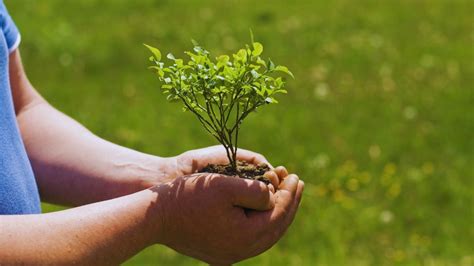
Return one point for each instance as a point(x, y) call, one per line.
point(104, 233)
point(74, 167)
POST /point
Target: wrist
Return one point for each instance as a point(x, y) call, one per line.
point(155, 171)
point(144, 218)
point(156, 214)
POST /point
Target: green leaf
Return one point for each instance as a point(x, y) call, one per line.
point(254, 73)
point(197, 49)
point(261, 62)
point(247, 88)
point(161, 73)
point(200, 79)
point(279, 82)
point(170, 56)
point(256, 67)
point(154, 51)
point(284, 69)
point(270, 64)
point(223, 59)
point(269, 100)
point(194, 42)
point(191, 55)
point(158, 70)
point(260, 92)
point(242, 55)
point(257, 49)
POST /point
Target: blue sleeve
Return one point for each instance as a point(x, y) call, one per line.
point(9, 29)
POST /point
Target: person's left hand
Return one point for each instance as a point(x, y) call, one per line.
point(191, 161)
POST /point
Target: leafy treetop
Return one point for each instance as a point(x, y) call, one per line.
point(221, 93)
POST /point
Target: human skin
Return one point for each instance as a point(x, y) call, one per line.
point(155, 203)
point(75, 167)
point(225, 237)
point(199, 215)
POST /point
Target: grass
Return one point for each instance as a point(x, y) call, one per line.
point(379, 121)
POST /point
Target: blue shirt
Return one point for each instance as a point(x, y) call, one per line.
point(18, 190)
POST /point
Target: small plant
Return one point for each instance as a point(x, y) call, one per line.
point(221, 93)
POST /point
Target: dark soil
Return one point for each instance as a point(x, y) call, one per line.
point(244, 170)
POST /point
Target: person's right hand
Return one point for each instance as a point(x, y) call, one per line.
point(221, 219)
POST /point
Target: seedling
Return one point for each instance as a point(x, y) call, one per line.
point(221, 93)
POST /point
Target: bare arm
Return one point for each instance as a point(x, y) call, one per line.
point(197, 215)
point(200, 215)
point(105, 233)
point(73, 166)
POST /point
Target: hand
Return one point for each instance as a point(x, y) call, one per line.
point(191, 161)
point(167, 169)
point(206, 216)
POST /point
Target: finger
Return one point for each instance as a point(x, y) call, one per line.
point(299, 191)
point(250, 194)
point(289, 184)
point(279, 229)
point(252, 157)
point(297, 200)
point(284, 199)
point(291, 212)
point(273, 177)
point(281, 172)
point(272, 188)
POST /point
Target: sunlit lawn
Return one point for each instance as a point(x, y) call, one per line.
point(379, 121)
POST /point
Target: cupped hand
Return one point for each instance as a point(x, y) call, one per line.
point(191, 161)
point(207, 216)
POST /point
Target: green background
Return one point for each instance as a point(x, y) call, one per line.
point(379, 121)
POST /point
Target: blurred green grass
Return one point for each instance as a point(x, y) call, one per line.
point(379, 121)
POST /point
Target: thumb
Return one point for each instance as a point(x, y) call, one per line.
point(250, 194)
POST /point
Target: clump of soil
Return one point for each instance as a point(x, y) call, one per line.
point(244, 170)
